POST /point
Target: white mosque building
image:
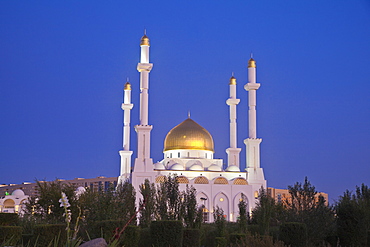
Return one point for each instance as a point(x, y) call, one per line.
point(188, 150)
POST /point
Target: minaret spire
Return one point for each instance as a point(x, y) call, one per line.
point(255, 172)
point(143, 162)
point(126, 153)
point(233, 151)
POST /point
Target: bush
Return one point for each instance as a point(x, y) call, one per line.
point(220, 242)
point(105, 229)
point(51, 233)
point(8, 219)
point(145, 239)
point(293, 233)
point(166, 233)
point(207, 235)
point(236, 239)
point(191, 238)
point(131, 236)
point(10, 235)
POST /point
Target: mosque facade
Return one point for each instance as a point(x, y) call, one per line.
point(188, 150)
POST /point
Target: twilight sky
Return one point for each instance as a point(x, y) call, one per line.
point(63, 65)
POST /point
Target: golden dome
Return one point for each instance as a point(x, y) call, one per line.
point(251, 63)
point(127, 86)
point(232, 81)
point(145, 40)
point(188, 135)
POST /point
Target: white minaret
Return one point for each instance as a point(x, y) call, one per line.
point(143, 162)
point(233, 151)
point(126, 153)
point(255, 172)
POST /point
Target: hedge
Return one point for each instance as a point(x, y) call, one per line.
point(105, 229)
point(145, 239)
point(43, 235)
point(166, 233)
point(191, 238)
point(8, 219)
point(10, 235)
point(131, 236)
point(237, 238)
point(293, 233)
point(220, 242)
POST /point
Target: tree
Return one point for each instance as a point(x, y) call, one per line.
point(266, 212)
point(168, 199)
point(306, 206)
point(45, 207)
point(220, 221)
point(190, 210)
point(125, 202)
point(353, 212)
point(243, 214)
point(147, 203)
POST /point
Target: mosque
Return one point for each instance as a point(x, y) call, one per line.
point(188, 150)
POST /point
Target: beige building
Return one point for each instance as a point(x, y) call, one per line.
point(283, 195)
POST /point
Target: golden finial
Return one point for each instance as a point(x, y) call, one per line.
point(145, 39)
point(127, 86)
point(232, 79)
point(251, 63)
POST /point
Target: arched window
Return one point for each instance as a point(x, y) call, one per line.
point(221, 180)
point(201, 180)
point(160, 179)
point(240, 181)
point(182, 180)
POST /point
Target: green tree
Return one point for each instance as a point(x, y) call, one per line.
point(243, 214)
point(125, 202)
point(147, 203)
point(266, 212)
point(168, 199)
point(306, 206)
point(45, 208)
point(353, 212)
point(190, 208)
point(220, 221)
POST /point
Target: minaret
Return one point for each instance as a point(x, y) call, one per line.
point(143, 162)
point(232, 151)
point(255, 172)
point(126, 153)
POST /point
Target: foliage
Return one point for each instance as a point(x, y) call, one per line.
point(190, 213)
point(112, 204)
point(307, 207)
point(293, 234)
point(243, 215)
point(166, 233)
point(46, 234)
point(8, 219)
point(45, 207)
point(220, 221)
point(260, 241)
point(353, 212)
point(131, 236)
point(104, 229)
point(221, 241)
point(237, 238)
point(208, 233)
point(147, 204)
point(168, 199)
point(10, 235)
point(145, 238)
point(191, 237)
point(266, 213)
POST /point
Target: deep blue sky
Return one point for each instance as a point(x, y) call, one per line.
point(63, 65)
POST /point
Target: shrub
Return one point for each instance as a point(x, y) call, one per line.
point(51, 233)
point(208, 235)
point(104, 229)
point(220, 242)
point(131, 236)
point(8, 219)
point(145, 239)
point(236, 239)
point(166, 233)
point(10, 235)
point(293, 233)
point(191, 238)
